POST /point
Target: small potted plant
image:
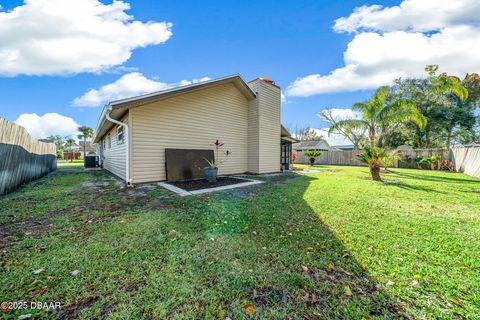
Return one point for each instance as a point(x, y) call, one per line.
point(211, 171)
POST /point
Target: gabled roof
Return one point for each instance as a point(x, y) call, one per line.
point(88, 146)
point(120, 107)
point(312, 145)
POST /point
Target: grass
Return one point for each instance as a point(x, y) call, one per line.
point(327, 244)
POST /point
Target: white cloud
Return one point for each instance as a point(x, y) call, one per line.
point(411, 15)
point(334, 139)
point(48, 124)
point(400, 41)
point(47, 37)
point(129, 85)
point(342, 114)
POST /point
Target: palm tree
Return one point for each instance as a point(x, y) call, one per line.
point(86, 133)
point(382, 110)
point(374, 158)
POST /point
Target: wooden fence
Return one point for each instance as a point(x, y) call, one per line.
point(339, 158)
point(22, 158)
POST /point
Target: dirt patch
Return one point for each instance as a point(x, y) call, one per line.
point(204, 184)
point(134, 285)
point(32, 226)
point(359, 284)
point(269, 296)
point(73, 311)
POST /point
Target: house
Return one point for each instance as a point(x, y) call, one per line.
point(89, 149)
point(312, 145)
point(134, 133)
point(72, 152)
point(309, 145)
point(347, 147)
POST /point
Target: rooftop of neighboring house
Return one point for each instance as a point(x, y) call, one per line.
point(88, 146)
point(320, 144)
point(346, 147)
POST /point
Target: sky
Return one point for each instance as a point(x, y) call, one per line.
point(62, 60)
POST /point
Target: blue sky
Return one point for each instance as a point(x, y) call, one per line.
point(284, 40)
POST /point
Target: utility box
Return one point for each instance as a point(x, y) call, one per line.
point(91, 162)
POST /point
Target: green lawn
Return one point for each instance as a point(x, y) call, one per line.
point(327, 244)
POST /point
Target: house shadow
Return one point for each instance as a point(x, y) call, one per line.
point(302, 269)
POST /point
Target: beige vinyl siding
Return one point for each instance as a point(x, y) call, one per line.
point(115, 157)
point(269, 124)
point(189, 121)
point(264, 138)
point(253, 133)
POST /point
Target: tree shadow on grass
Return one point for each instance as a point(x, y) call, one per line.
point(433, 178)
point(410, 187)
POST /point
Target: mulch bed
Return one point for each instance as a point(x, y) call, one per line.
point(204, 184)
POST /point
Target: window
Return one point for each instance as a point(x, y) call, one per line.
point(109, 141)
point(120, 134)
point(104, 143)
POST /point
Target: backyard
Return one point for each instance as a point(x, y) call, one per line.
point(329, 243)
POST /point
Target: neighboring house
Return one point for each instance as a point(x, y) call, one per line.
point(348, 147)
point(133, 133)
point(89, 149)
point(312, 145)
point(72, 153)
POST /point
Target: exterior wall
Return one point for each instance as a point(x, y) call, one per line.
point(114, 158)
point(267, 130)
point(253, 134)
point(191, 121)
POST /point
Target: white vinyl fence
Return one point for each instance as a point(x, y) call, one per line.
point(467, 160)
point(22, 158)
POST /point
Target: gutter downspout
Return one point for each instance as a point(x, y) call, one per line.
point(127, 158)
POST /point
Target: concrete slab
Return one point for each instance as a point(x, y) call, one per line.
point(183, 193)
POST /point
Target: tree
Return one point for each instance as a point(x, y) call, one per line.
point(373, 157)
point(380, 112)
point(85, 133)
point(69, 144)
point(312, 155)
point(59, 143)
point(309, 134)
point(433, 97)
point(353, 134)
point(459, 113)
point(304, 133)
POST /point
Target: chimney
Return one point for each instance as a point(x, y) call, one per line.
point(268, 80)
point(264, 127)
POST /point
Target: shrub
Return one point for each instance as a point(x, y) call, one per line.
point(374, 158)
point(448, 165)
point(312, 155)
point(432, 162)
point(390, 158)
